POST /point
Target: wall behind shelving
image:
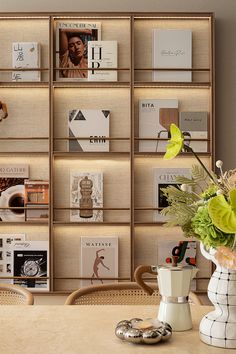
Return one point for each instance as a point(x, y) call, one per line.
point(225, 13)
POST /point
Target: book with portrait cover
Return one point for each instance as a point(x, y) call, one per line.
point(90, 123)
point(153, 124)
point(194, 125)
point(12, 191)
point(26, 55)
point(164, 177)
point(172, 48)
point(86, 193)
point(6, 255)
point(99, 259)
point(31, 259)
point(102, 54)
point(72, 48)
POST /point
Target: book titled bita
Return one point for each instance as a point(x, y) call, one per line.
point(86, 196)
point(72, 40)
point(99, 259)
point(92, 124)
point(164, 177)
point(6, 255)
point(12, 192)
point(155, 117)
point(194, 125)
point(102, 54)
point(31, 259)
point(26, 55)
point(172, 48)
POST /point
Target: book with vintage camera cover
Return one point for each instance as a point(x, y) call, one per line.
point(92, 124)
point(6, 255)
point(36, 199)
point(31, 259)
point(162, 178)
point(12, 191)
point(72, 48)
point(155, 117)
point(26, 55)
point(86, 193)
point(99, 259)
point(172, 48)
point(102, 54)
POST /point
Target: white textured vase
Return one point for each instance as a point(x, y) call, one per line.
point(218, 328)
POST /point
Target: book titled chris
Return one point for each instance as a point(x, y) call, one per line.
point(99, 259)
point(155, 117)
point(164, 177)
point(12, 190)
point(92, 124)
point(26, 55)
point(102, 54)
point(86, 196)
point(172, 48)
point(31, 259)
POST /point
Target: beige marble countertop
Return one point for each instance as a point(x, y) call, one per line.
point(89, 330)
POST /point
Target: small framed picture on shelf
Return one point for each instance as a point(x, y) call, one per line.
point(72, 48)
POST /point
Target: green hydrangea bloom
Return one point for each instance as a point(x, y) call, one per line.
point(207, 233)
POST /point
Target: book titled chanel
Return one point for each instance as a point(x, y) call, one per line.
point(86, 196)
point(102, 54)
point(26, 55)
point(99, 259)
point(172, 48)
point(92, 124)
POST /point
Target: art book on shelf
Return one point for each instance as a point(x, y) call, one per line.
point(72, 48)
point(92, 124)
point(99, 259)
point(12, 190)
point(194, 125)
point(185, 250)
point(36, 196)
point(164, 177)
point(86, 193)
point(31, 259)
point(155, 117)
point(172, 48)
point(6, 255)
point(102, 54)
point(26, 55)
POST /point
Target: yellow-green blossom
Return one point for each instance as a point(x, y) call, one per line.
point(175, 144)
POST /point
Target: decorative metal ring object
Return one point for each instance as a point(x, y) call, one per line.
point(128, 330)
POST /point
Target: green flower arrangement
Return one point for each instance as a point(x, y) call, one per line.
point(205, 205)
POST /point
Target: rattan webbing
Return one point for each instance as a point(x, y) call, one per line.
point(15, 295)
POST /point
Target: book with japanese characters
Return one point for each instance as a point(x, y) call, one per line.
point(102, 54)
point(164, 177)
point(86, 196)
point(92, 124)
point(26, 55)
point(12, 191)
point(172, 48)
point(155, 117)
point(31, 259)
point(99, 259)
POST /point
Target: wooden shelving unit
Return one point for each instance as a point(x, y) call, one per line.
point(36, 132)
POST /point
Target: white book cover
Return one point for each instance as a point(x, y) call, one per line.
point(164, 177)
point(91, 123)
point(12, 191)
point(6, 255)
point(194, 125)
point(72, 48)
point(150, 126)
point(26, 55)
point(172, 48)
point(86, 193)
point(99, 259)
point(102, 54)
point(31, 259)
